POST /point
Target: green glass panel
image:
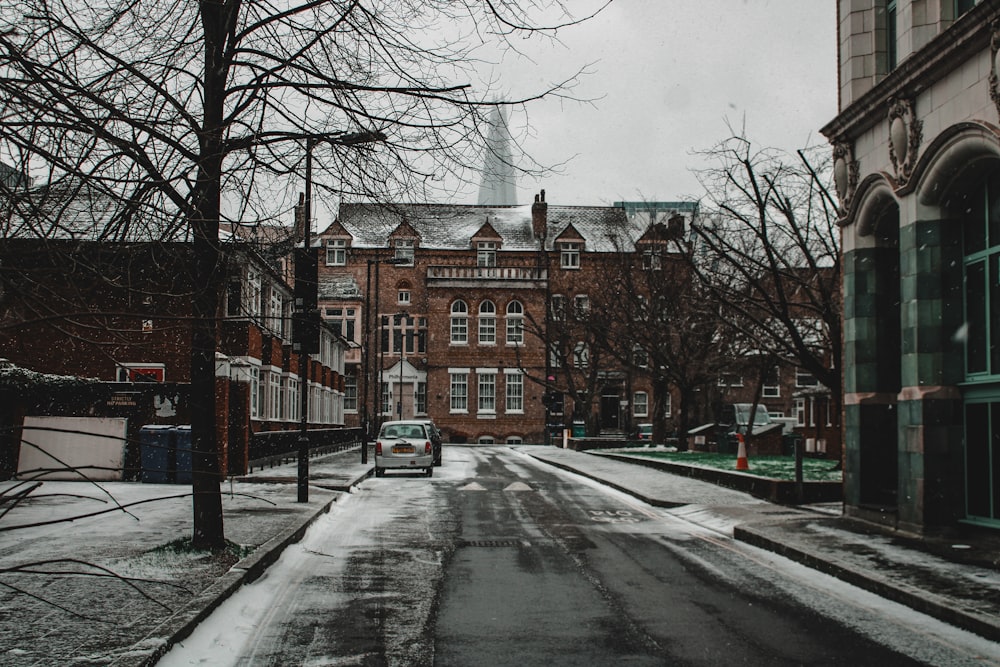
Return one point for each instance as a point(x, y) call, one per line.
point(994, 332)
point(975, 316)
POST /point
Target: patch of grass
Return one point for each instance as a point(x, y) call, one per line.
point(773, 467)
point(184, 547)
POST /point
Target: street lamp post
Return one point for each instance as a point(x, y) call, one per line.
point(376, 406)
point(306, 298)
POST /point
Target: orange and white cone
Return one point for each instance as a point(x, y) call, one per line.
point(741, 454)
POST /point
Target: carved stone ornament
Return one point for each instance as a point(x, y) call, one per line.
point(845, 174)
point(905, 134)
point(994, 79)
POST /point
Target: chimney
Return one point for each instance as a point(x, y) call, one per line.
point(300, 218)
point(539, 216)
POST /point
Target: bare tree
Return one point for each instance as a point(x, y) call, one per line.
point(186, 115)
point(768, 254)
point(661, 324)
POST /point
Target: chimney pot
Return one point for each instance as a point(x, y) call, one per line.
point(539, 217)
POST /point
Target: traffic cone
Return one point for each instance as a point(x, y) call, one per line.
point(741, 454)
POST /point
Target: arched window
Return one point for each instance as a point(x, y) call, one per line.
point(459, 323)
point(487, 323)
point(515, 323)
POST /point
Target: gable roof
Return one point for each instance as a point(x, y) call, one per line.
point(451, 227)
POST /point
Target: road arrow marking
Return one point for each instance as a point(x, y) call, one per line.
point(518, 486)
point(474, 486)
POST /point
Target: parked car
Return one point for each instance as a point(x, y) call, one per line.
point(436, 440)
point(645, 433)
point(404, 445)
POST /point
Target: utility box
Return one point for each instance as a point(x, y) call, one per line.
point(183, 456)
point(165, 454)
point(156, 445)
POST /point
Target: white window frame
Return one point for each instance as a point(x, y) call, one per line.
point(486, 254)
point(487, 323)
point(803, 377)
point(667, 404)
point(403, 297)
point(255, 396)
point(458, 390)
point(733, 380)
point(569, 255)
point(513, 391)
point(515, 323)
point(581, 303)
point(294, 399)
point(459, 322)
point(420, 398)
point(350, 392)
point(336, 252)
point(581, 355)
point(253, 293)
point(274, 394)
point(486, 394)
point(800, 412)
point(405, 250)
point(640, 404)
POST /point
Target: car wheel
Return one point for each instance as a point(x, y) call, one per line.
point(379, 472)
point(430, 472)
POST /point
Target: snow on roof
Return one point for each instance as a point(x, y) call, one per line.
point(451, 227)
point(73, 210)
point(338, 286)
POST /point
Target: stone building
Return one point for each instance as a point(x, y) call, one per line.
point(917, 167)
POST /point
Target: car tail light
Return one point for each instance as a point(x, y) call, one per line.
point(378, 448)
point(427, 447)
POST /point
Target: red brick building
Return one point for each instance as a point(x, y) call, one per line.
point(462, 302)
point(120, 311)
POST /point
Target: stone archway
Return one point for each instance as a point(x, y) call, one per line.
point(872, 324)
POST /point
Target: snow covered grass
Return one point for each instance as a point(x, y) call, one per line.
point(772, 467)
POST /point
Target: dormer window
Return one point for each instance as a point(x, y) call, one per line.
point(404, 251)
point(651, 260)
point(486, 253)
point(569, 255)
point(336, 252)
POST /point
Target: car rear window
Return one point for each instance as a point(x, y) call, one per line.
point(404, 431)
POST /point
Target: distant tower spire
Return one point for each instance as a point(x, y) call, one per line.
point(497, 187)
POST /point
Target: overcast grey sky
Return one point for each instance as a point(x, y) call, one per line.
point(668, 75)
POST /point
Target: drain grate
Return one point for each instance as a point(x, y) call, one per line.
point(492, 543)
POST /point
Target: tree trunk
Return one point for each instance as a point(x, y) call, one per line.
point(206, 476)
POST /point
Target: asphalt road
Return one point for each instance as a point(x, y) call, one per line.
point(501, 560)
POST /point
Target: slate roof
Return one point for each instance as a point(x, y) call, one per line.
point(451, 227)
point(79, 211)
point(335, 286)
point(71, 210)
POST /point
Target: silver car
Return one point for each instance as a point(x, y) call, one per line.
point(404, 445)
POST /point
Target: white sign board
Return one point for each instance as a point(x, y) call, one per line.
point(72, 448)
